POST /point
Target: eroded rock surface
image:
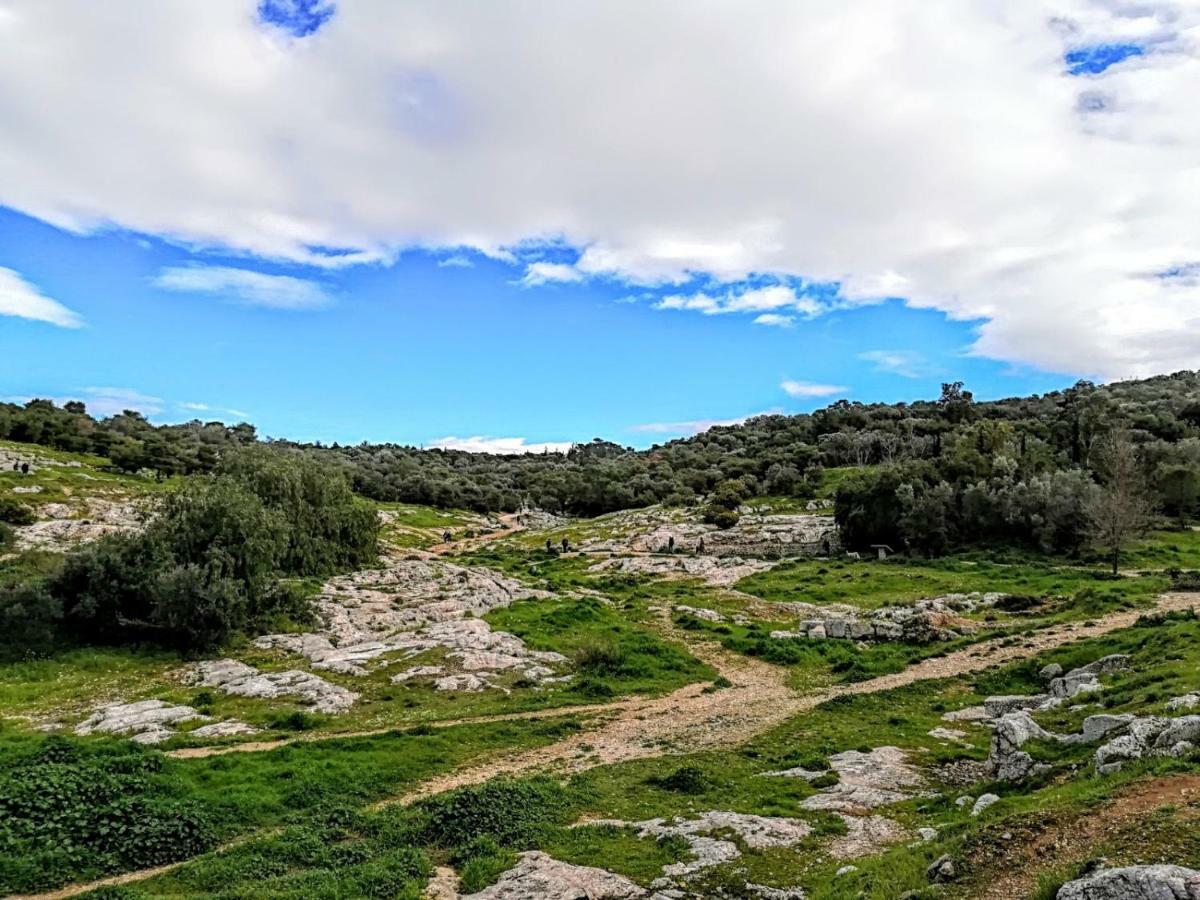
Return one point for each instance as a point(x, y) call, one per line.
point(712, 570)
point(240, 680)
point(146, 721)
point(1135, 883)
point(64, 525)
point(541, 877)
point(413, 606)
point(867, 780)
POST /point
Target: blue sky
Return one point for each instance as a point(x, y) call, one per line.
point(417, 351)
point(368, 222)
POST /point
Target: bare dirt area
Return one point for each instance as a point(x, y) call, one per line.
point(692, 719)
point(1013, 867)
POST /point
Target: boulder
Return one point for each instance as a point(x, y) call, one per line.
point(984, 801)
point(1050, 672)
point(1002, 705)
point(942, 870)
point(1006, 760)
point(1159, 882)
point(146, 721)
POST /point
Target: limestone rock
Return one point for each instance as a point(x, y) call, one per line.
point(1050, 672)
point(712, 570)
point(942, 869)
point(1006, 760)
point(1187, 701)
point(540, 877)
point(240, 680)
point(866, 781)
point(865, 836)
point(147, 721)
point(984, 801)
point(223, 729)
point(1159, 882)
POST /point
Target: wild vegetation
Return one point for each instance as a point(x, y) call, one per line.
point(600, 689)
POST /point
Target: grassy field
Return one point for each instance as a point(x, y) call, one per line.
point(870, 584)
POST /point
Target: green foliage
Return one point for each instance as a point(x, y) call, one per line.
point(207, 567)
point(14, 512)
point(513, 813)
point(29, 617)
point(684, 780)
point(64, 809)
point(481, 862)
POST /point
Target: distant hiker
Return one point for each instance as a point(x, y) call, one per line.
point(700, 547)
point(24, 468)
point(446, 535)
point(566, 544)
point(671, 545)
point(549, 546)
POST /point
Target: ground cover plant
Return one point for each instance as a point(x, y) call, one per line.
point(77, 809)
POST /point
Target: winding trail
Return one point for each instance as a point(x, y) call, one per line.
point(692, 718)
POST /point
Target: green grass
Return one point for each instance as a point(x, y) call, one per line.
point(292, 785)
point(870, 584)
point(1164, 550)
point(92, 476)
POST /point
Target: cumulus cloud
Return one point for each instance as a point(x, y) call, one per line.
point(775, 320)
point(811, 389)
point(245, 286)
point(206, 408)
point(849, 143)
point(506, 445)
point(21, 299)
point(906, 363)
point(539, 273)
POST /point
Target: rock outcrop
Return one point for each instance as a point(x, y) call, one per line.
point(146, 721)
point(1135, 883)
point(240, 680)
point(541, 877)
point(712, 570)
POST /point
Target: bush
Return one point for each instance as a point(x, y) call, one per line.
point(29, 620)
point(66, 810)
point(720, 516)
point(16, 513)
point(599, 658)
point(513, 813)
point(685, 780)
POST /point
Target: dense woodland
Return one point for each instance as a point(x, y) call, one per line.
point(931, 475)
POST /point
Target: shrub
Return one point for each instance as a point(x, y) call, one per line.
point(685, 780)
point(599, 658)
point(513, 813)
point(29, 620)
point(16, 513)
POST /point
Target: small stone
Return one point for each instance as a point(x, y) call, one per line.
point(1050, 672)
point(942, 870)
point(984, 801)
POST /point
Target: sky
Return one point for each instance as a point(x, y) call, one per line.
point(516, 225)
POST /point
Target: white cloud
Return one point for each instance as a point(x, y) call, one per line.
point(245, 286)
point(747, 300)
point(694, 426)
point(906, 363)
point(196, 407)
point(457, 261)
point(205, 407)
point(775, 320)
point(539, 273)
point(967, 175)
point(506, 445)
point(811, 389)
point(21, 299)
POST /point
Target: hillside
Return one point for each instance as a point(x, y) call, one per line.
point(237, 677)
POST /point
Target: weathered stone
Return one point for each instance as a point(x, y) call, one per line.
point(146, 720)
point(223, 729)
point(1050, 672)
point(865, 836)
point(1096, 727)
point(967, 714)
point(1159, 882)
point(1002, 705)
point(946, 734)
point(541, 877)
point(712, 570)
point(867, 780)
point(469, 683)
point(1006, 760)
point(240, 680)
point(984, 801)
point(705, 615)
point(942, 870)
point(1187, 701)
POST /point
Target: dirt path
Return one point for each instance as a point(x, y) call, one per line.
point(690, 719)
point(508, 520)
point(1012, 870)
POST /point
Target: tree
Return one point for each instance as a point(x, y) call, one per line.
point(1180, 487)
point(1120, 512)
